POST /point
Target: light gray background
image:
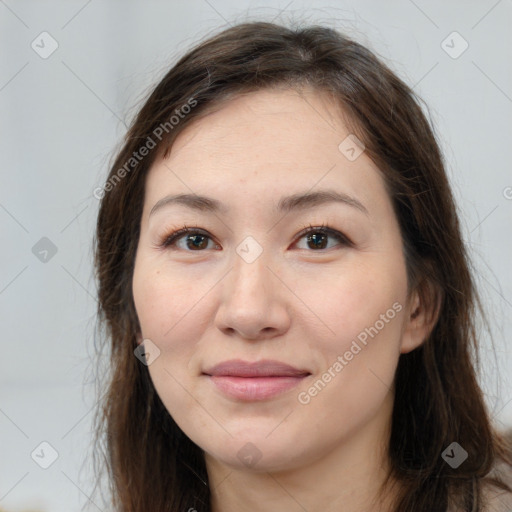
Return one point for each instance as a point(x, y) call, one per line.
point(63, 116)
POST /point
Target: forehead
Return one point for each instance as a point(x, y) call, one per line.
point(265, 143)
point(268, 122)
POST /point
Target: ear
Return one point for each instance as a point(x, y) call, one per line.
point(422, 313)
point(139, 338)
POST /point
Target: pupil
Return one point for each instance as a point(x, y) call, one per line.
point(315, 238)
point(194, 238)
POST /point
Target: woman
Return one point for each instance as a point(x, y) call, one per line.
point(287, 293)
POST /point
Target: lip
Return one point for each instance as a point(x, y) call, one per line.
point(263, 368)
point(259, 380)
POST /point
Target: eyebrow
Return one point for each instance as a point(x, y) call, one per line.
point(301, 200)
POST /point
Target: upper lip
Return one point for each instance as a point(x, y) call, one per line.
point(264, 368)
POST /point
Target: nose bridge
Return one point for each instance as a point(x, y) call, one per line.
point(251, 301)
point(250, 272)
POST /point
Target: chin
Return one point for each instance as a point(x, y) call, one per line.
point(258, 454)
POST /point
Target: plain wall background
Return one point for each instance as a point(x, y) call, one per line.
point(62, 117)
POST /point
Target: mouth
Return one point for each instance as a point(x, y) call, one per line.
point(254, 381)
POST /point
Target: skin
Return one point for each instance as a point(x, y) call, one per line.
point(295, 303)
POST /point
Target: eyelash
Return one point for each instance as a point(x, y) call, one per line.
point(170, 240)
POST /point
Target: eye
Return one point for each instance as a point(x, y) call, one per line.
point(317, 237)
point(194, 239)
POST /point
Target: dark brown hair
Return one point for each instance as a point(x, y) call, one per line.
point(152, 465)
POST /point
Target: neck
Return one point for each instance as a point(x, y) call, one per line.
point(348, 478)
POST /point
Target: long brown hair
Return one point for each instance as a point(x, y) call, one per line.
point(152, 465)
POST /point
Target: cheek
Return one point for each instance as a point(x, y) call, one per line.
point(364, 310)
point(361, 310)
point(168, 306)
point(354, 297)
point(170, 314)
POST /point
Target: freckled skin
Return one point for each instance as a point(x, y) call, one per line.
point(294, 303)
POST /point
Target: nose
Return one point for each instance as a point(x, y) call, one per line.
point(253, 302)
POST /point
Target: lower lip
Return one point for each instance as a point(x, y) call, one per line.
point(254, 388)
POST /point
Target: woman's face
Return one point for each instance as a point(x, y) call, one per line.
point(325, 314)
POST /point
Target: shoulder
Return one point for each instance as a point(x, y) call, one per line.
point(494, 498)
